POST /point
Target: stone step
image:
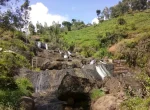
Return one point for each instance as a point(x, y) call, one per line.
point(120, 68)
point(120, 71)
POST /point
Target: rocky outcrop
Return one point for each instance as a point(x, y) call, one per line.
point(126, 83)
point(66, 83)
point(62, 85)
point(109, 102)
point(54, 79)
point(26, 103)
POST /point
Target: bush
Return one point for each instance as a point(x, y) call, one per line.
point(9, 98)
point(133, 26)
point(121, 21)
point(136, 103)
point(97, 93)
point(10, 62)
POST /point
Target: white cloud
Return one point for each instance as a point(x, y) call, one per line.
point(41, 14)
point(95, 21)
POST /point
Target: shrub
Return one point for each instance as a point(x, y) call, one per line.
point(133, 26)
point(121, 21)
point(9, 98)
point(97, 93)
point(136, 103)
point(9, 62)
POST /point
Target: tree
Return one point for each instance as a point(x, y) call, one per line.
point(73, 21)
point(31, 28)
point(139, 4)
point(119, 9)
point(106, 13)
point(121, 21)
point(67, 24)
point(98, 12)
point(40, 28)
point(3, 2)
point(14, 19)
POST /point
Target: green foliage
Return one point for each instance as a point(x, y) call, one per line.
point(95, 40)
point(77, 25)
point(31, 29)
point(145, 79)
point(125, 6)
point(67, 24)
point(136, 103)
point(24, 85)
point(16, 18)
point(135, 50)
point(9, 98)
point(96, 93)
point(121, 21)
point(133, 27)
point(9, 62)
point(7, 83)
point(101, 53)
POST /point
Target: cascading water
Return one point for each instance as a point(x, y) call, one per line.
point(38, 87)
point(102, 71)
point(41, 82)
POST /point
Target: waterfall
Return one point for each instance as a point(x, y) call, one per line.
point(92, 62)
point(46, 46)
point(38, 87)
point(39, 44)
point(65, 56)
point(102, 71)
point(107, 72)
point(69, 53)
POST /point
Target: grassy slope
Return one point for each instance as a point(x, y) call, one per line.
point(136, 23)
point(135, 48)
point(11, 90)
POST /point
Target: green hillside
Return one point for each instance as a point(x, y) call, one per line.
point(95, 40)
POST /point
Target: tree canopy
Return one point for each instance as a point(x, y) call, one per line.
point(16, 18)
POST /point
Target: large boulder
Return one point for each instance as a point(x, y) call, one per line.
point(26, 103)
point(91, 70)
point(109, 102)
point(68, 85)
point(49, 54)
point(124, 83)
point(52, 65)
point(53, 79)
point(47, 101)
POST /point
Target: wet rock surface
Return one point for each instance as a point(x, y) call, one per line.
point(54, 86)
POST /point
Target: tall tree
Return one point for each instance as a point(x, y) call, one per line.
point(14, 19)
point(40, 28)
point(67, 24)
point(31, 28)
point(73, 21)
point(106, 13)
point(98, 12)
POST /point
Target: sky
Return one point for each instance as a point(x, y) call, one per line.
point(66, 10)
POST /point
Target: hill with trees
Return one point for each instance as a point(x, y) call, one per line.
point(122, 33)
